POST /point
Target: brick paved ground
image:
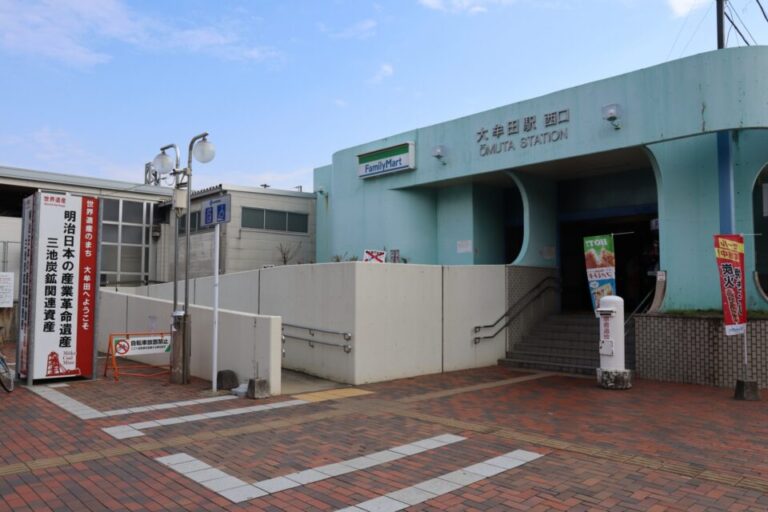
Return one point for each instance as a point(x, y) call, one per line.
point(655, 447)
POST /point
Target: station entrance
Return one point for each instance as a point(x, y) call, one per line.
point(636, 249)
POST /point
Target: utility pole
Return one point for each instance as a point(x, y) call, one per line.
point(720, 24)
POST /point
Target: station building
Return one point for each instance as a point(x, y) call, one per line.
point(663, 157)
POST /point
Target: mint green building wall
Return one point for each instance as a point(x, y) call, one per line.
point(539, 195)
point(454, 224)
point(688, 199)
point(673, 109)
point(488, 225)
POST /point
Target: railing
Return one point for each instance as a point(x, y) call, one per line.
point(311, 341)
point(631, 317)
point(546, 284)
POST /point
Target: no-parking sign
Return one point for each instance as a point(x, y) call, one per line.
point(374, 256)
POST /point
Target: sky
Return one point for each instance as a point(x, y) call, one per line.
point(95, 87)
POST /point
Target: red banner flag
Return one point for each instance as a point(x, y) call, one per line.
point(729, 251)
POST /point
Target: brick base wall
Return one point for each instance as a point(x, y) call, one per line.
point(695, 350)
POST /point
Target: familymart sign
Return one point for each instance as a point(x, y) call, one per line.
point(388, 160)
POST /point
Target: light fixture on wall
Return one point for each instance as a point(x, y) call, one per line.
point(439, 153)
point(612, 114)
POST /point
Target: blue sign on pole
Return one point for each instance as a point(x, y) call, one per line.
point(217, 211)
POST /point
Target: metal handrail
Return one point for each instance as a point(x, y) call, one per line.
point(311, 341)
point(539, 290)
point(346, 346)
point(631, 316)
point(312, 330)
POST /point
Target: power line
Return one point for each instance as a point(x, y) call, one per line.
point(682, 27)
point(697, 28)
point(738, 17)
point(737, 29)
point(763, 10)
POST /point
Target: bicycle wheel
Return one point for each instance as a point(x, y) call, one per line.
point(6, 375)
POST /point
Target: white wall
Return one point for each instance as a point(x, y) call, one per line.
point(398, 321)
point(249, 344)
point(320, 296)
point(473, 295)
point(405, 320)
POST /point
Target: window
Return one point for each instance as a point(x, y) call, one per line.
point(298, 222)
point(253, 218)
point(125, 241)
point(275, 220)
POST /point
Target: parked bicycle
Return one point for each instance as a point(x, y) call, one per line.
point(6, 374)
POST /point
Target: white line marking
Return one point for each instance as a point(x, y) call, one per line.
point(85, 412)
point(240, 491)
point(120, 432)
point(434, 487)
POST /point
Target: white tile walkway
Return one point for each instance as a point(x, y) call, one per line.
point(444, 484)
point(134, 429)
point(238, 491)
point(85, 412)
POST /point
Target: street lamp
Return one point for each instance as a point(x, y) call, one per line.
point(203, 151)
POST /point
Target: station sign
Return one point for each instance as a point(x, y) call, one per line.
point(386, 161)
point(216, 211)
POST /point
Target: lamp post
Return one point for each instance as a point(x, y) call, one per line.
point(203, 151)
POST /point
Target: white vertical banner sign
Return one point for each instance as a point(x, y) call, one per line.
point(58, 335)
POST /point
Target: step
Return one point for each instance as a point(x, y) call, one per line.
point(573, 336)
point(557, 359)
point(555, 351)
point(551, 367)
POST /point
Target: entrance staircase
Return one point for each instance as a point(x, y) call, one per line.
point(566, 342)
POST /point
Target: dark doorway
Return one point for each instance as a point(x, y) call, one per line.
point(636, 258)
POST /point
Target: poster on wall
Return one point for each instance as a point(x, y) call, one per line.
point(59, 285)
point(729, 252)
point(601, 267)
point(6, 289)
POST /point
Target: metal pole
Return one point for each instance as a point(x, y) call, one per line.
point(187, 318)
point(720, 27)
point(215, 348)
point(746, 356)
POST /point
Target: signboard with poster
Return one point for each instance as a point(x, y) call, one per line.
point(601, 267)
point(729, 251)
point(59, 285)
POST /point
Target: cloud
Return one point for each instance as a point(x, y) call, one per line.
point(76, 32)
point(340, 103)
point(360, 30)
point(463, 6)
point(55, 150)
point(683, 7)
point(384, 71)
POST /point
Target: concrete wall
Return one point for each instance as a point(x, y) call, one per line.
point(472, 296)
point(403, 320)
point(398, 321)
point(319, 296)
point(249, 344)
